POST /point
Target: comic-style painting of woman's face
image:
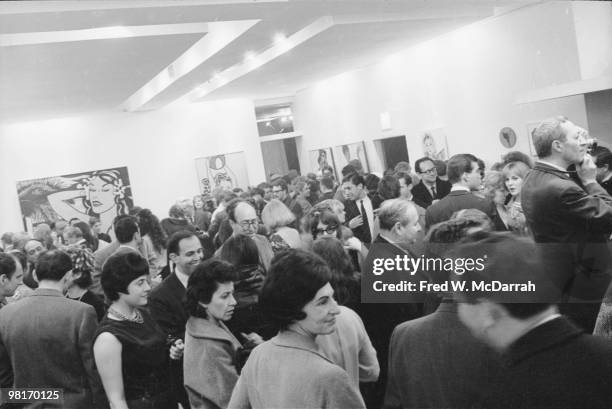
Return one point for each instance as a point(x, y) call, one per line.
point(101, 195)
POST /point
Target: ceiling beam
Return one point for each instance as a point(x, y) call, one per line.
point(257, 60)
point(27, 7)
point(219, 35)
point(101, 33)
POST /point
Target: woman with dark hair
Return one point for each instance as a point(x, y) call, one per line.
point(130, 350)
point(388, 188)
point(325, 223)
point(210, 348)
point(80, 279)
point(242, 253)
point(91, 241)
point(349, 345)
point(298, 299)
point(96, 228)
point(154, 241)
point(345, 280)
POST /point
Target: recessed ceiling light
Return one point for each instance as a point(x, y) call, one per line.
point(279, 38)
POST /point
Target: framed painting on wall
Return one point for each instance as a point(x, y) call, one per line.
point(434, 144)
point(104, 194)
point(346, 153)
point(531, 126)
point(226, 170)
point(319, 158)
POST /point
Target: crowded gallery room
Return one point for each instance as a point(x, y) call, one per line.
point(287, 204)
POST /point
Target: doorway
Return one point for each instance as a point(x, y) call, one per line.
point(280, 156)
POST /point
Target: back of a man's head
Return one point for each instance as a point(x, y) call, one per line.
point(546, 133)
point(503, 258)
point(125, 228)
point(7, 266)
point(458, 165)
point(393, 211)
point(53, 265)
point(327, 183)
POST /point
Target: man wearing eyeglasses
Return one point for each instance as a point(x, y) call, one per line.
point(431, 188)
point(243, 220)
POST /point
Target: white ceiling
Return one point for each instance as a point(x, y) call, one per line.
point(60, 58)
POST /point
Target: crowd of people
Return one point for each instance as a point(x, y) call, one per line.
point(256, 297)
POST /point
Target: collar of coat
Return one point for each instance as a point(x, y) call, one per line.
point(541, 338)
point(291, 339)
point(543, 167)
point(203, 328)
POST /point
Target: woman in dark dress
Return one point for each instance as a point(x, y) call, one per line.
point(130, 350)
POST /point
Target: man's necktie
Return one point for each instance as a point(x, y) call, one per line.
point(433, 192)
point(366, 224)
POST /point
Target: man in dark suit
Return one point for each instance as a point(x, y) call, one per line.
point(573, 212)
point(465, 177)
point(166, 300)
point(359, 208)
point(604, 170)
point(431, 188)
point(46, 339)
point(548, 362)
point(418, 366)
point(399, 228)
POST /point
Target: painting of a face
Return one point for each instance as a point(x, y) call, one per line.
point(101, 195)
point(429, 146)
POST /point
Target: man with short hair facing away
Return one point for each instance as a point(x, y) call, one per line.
point(46, 338)
point(327, 188)
point(466, 177)
point(572, 214)
point(243, 220)
point(399, 228)
point(166, 300)
point(548, 361)
point(359, 208)
point(431, 188)
point(417, 365)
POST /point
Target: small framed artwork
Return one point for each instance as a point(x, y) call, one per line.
point(321, 158)
point(434, 144)
point(346, 153)
point(226, 170)
point(531, 126)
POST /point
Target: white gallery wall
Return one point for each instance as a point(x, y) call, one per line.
point(159, 149)
point(465, 81)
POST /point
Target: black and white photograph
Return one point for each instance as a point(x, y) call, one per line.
point(292, 204)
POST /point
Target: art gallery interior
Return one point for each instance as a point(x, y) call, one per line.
point(155, 85)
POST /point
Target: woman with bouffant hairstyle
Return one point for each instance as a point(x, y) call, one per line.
point(130, 349)
point(298, 299)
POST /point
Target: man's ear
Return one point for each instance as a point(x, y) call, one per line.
point(556, 145)
point(172, 256)
point(494, 313)
point(3, 279)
